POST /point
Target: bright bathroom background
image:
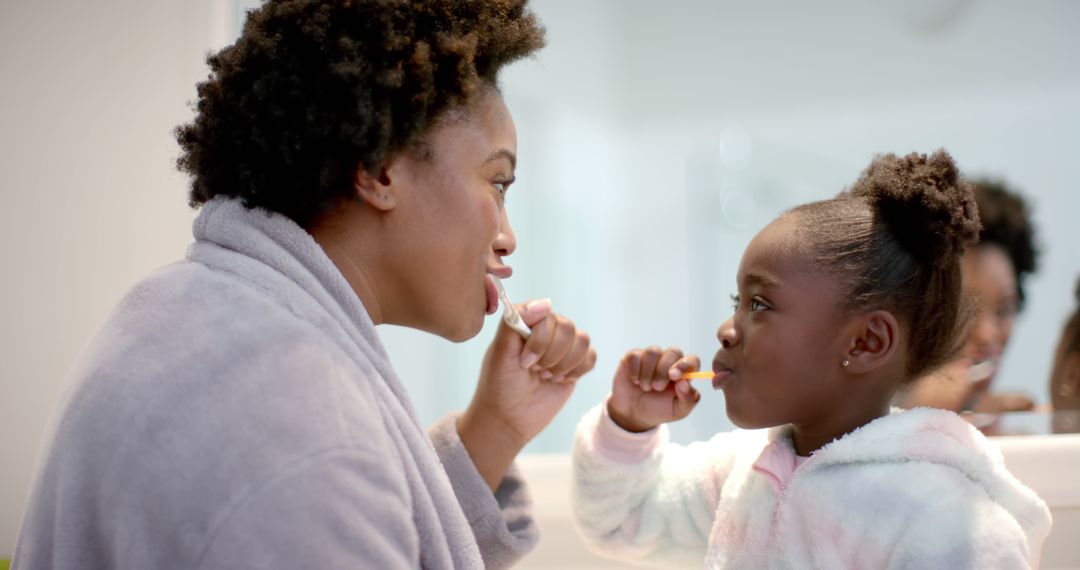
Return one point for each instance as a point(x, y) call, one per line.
point(655, 139)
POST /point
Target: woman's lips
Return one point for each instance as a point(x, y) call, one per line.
point(492, 295)
point(502, 272)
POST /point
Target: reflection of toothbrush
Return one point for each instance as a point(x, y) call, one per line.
point(982, 370)
point(510, 314)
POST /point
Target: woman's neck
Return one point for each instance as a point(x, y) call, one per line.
point(351, 254)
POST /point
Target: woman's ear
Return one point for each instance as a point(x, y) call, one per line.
point(873, 342)
point(375, 190)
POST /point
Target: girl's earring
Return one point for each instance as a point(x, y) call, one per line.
point(845, 363)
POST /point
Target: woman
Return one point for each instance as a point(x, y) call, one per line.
point(1065, 372)
point(994, 274)
point(350, 159)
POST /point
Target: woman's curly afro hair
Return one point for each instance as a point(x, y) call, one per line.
point(1006, 223)
point(314, 89)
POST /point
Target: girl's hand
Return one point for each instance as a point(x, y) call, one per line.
point(648, 391)
point(523, 384)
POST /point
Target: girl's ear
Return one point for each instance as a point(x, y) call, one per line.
point(375, 190)
point(873, 342)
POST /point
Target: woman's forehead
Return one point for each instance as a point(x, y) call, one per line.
point(484, 126)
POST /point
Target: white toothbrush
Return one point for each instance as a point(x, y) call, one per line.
point(982, 370)
point(510, 314)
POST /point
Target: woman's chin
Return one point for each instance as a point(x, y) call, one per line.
point(464, 330)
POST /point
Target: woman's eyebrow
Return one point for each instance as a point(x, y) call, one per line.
point(503, 153)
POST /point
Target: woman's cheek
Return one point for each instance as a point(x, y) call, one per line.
point(493, 215)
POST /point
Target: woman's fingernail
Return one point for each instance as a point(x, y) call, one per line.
point(538, 306)
point(546, 375)
point(559, 379)
point(674, 373)
point(528, 359)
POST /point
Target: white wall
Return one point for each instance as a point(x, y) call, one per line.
point(91, 201)
point(627, 212)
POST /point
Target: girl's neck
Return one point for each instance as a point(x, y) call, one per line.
point(810, 437)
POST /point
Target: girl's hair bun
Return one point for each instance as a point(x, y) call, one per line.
point(924, 203)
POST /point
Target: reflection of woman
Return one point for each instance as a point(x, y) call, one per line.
point(994, 273)
point(238, 409)
point(1065, 375)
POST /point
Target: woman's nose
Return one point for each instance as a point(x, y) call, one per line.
point(727, 334)
point(985, 333)
point(505, 243)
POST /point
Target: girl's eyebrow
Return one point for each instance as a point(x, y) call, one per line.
point(761, 278)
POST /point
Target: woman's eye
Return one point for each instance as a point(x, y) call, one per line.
point(756, 305)
point(502, 185)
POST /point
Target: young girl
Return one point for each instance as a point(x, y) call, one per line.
point(839, 303)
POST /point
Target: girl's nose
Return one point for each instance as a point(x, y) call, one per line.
point(727, 333)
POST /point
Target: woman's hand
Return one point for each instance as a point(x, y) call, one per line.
point(647, 390)
point(523, 384)
point(1001, 402)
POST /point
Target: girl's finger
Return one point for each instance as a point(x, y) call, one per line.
point(633, 366)
point(667, 360)
point(686, 397)
point(684, 365)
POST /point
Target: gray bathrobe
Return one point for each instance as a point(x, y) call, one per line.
point(237, 410)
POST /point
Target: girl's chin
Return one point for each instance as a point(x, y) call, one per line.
point(746, 419)
point(751, 424)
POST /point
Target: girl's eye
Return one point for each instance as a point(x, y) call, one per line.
point(756, 304)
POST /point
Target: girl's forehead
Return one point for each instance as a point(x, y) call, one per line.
point(778, 242)
point(779, 253)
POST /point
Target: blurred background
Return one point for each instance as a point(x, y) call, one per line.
point(655, 139)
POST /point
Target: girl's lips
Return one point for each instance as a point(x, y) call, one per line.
point(720, 378)
point(492, 295)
